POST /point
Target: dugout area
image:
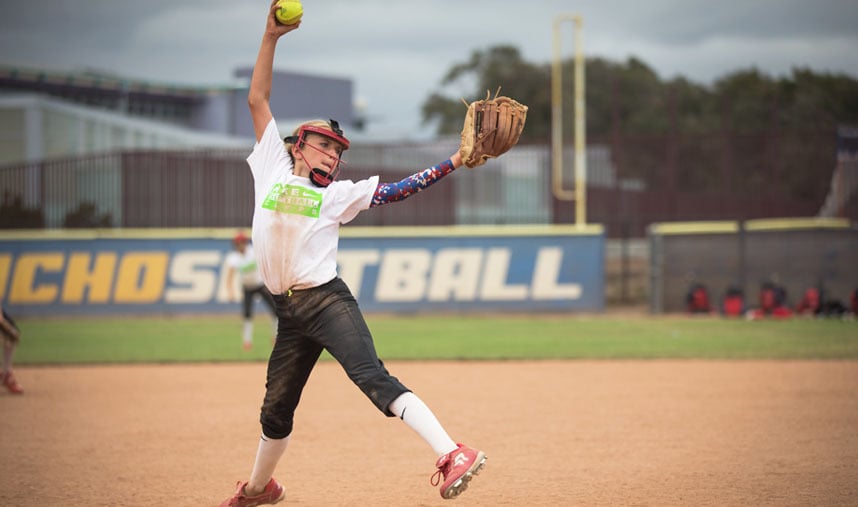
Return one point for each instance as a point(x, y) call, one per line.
point(795, 254)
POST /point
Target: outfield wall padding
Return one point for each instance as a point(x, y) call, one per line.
point(431, 269)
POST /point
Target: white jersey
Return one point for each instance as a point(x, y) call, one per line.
point(245, 264)
point(295, 223)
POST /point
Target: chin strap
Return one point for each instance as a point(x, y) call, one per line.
point(321, 178)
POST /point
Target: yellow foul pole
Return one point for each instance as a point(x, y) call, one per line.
point(579, 194)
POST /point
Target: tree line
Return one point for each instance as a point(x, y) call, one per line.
point(632, 97)
point(746, 132)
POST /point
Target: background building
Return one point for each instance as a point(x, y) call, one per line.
point(48, 115)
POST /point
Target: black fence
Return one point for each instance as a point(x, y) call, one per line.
point(635, 181)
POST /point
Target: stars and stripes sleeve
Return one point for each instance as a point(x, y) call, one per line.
point(392, 192)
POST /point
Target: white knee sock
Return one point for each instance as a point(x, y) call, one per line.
point(269, 453)
point(247, 331)
point(418, 417)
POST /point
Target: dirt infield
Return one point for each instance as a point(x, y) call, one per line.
point(556, 433)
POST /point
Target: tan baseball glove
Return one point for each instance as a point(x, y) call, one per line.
point(492, 127)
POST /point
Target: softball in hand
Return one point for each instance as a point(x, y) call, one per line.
point(289, 12)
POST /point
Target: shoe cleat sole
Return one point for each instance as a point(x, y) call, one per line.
point(458, 487)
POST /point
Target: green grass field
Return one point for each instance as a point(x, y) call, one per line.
point(81, 340)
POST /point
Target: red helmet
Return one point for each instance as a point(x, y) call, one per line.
point(241, 237)
point(335, 133)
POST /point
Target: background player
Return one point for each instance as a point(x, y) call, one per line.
point(297, 213)
point(241, 262)
point(11, 335)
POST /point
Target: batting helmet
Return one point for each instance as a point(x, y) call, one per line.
point(240, 237)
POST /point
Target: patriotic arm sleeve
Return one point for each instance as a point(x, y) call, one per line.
point(392, 192)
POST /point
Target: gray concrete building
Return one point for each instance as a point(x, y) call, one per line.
point(47, 114)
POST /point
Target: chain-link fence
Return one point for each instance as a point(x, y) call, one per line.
point(632, 181)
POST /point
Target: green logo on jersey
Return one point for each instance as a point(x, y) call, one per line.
point(294, 200)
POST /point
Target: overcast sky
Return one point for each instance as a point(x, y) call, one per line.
point(396, 51)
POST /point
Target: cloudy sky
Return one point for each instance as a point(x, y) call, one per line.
point(396, 51)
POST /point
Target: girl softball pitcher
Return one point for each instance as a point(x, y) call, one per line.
point(299, 207)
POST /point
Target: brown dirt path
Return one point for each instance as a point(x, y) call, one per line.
point(557, 433)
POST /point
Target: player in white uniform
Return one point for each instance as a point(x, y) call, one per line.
point(241, 261)
point(298, 209)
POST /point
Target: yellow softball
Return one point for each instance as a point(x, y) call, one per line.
point(289, 12)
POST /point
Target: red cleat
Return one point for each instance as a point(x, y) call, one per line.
point(272, 494)
point(11, 383)
point(457, 469)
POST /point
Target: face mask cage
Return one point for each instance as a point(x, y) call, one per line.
point(318, 176)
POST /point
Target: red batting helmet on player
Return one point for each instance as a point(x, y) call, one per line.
point(240, 237)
